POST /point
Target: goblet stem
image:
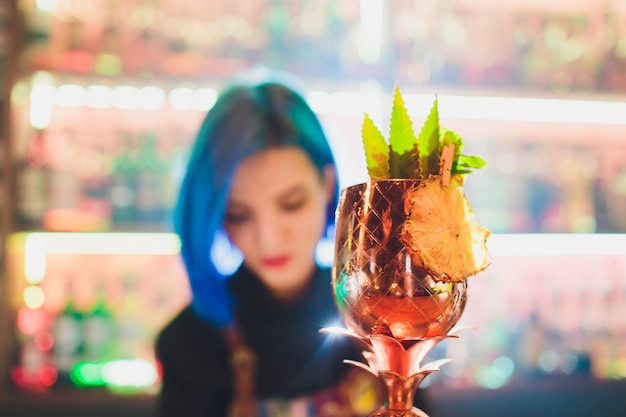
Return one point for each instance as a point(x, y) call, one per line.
point(385, 412)
point(399, 394)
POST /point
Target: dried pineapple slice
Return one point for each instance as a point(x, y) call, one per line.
point(441, 233)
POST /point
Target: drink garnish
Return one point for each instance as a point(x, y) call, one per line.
point(440, 231)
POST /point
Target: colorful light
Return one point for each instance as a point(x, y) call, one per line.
point(42, 98)
point(38, 379)
point(44, 95)
point(108, 64)
point(129, 373)
point(104, 243)
point(530, 109)
point(557, 244)
point(182, 98)
point(123, 373)
point(497, 374)
point(99, 96)
point(47, 6)
point(34, 258)
point(205, 98)
point(151, 98)
point(88, 374)
point(33, 297)
point(71, 95)
point(30, 322)
point(43, 341)
point(48, 375)
point(126, 97)
point(370, 35)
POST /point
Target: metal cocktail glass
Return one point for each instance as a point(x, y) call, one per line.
point(394, 307)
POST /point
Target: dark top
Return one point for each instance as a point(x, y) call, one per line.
point(293, 358)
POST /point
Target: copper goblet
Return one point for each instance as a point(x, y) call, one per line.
point(394, 306)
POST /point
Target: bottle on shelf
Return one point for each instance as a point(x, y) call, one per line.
point(123, 183)
point(37, 52)
point(152, 176)
point(68, 334)
point(99, 330)
point(108, 58)
point(77, 59)
point(32, 183)
point(129, 327)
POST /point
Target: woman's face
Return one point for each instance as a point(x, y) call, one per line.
point(276, 214)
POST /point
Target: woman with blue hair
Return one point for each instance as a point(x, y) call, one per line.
point(261, 174)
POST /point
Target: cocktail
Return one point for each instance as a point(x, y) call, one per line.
point(405, 244)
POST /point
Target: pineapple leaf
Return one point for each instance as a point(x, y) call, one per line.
point(428, 143)
point(401, 138)
point(376, 150)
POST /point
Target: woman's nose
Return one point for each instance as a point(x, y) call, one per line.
point(269, 233)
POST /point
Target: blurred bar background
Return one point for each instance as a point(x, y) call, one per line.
point(99, 103)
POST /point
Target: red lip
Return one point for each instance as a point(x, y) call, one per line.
point(276, 261)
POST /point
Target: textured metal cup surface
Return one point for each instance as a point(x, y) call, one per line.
point(377, 285)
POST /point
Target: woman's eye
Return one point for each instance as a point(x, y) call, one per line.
point(236, 218)
point(293, 205)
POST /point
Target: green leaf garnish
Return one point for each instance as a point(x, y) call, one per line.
point(376, 150)
point(401, 135)
point(402, 141)
point(466, 164)
point(408, 156)
point(448, 137)
point(428, 144)
point(406, 165)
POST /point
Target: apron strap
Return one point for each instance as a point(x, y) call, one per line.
point(243, 365)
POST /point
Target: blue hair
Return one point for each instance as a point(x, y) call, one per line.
point(245, 119)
